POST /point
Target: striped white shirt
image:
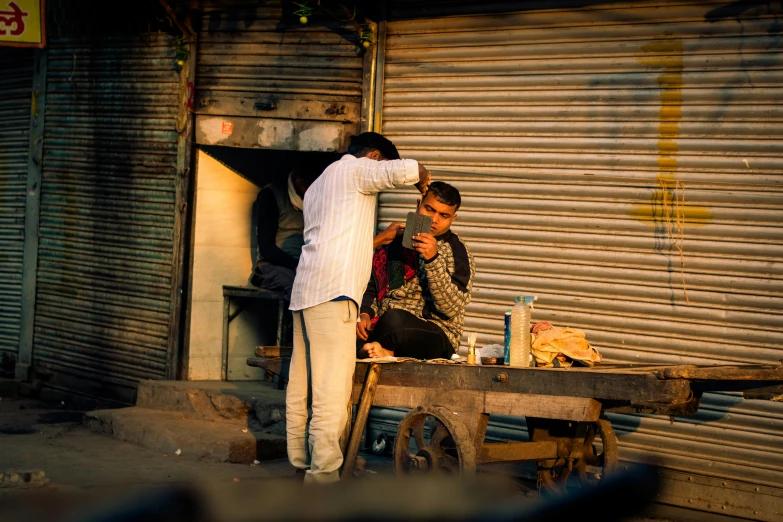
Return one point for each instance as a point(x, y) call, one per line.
point(339, 213)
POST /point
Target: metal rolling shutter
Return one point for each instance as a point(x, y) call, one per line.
point(16, 85)
point(264, 80)
point(565, 129)
point(107, 225)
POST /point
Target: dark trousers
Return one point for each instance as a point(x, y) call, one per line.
point(273, 277)
point(408, 336)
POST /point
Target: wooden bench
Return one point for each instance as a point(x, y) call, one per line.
point(241, 295)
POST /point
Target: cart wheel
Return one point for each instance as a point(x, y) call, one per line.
point(442, 443)
point(590, 466)
point(610, 454)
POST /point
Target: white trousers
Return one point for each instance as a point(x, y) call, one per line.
point(321, 376)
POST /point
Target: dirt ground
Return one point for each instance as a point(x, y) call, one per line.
point(66, 460)
point(35, 436)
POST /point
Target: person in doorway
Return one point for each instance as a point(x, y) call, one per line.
point(333, 271)
point(280, 229)
point(414, 305)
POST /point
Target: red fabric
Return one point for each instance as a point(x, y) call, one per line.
point(381, 270)
point(540, 327)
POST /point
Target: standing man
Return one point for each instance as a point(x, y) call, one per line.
point(333, 270)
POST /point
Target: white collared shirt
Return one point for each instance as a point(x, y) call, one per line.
point(339, 214)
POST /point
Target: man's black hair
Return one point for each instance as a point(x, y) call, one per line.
point(445, 193)
point(366, 142)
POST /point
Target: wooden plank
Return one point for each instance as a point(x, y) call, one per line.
point(623, 370)
point(274, 351)
point(470, 404)
point(279, 366)
point(724, 373)
point(517, 451)
point(271, 364)
point(621, 367)
point(274, 133)
point(184, 219)
point(218, 104)
point(362, 412)
point(621, 386)
point(461, 401)
point(767, 393)
point(224, 339)
point(346, 433)
point(544, 406)
point(481, 430)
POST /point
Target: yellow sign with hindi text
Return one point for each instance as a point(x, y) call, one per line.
point(22, 23)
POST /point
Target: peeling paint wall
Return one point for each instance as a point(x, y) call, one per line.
point(270, 133)
point(266, 81)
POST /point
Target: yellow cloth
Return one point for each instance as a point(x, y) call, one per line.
point(548, 344)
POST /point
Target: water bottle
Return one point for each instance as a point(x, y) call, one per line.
point(519, 342)
point(506, 337)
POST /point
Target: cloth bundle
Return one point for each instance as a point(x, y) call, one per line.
point(561, 347)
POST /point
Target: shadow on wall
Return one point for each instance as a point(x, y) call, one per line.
point(107, 227)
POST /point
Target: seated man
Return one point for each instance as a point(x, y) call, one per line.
point(414, 305)
point(280, 229)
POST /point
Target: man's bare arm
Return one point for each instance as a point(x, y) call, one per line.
point(388, 235)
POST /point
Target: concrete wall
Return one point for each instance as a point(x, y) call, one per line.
point(223, 256)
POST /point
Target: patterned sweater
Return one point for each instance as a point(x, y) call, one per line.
point(439, 291)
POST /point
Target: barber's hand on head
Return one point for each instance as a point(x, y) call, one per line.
point(424, 179)
point(426, 245)
point(363, 327)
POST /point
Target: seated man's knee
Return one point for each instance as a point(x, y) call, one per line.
point(395, 319)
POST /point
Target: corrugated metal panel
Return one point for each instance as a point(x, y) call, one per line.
point(108, 195)
point(16, 84)
point(570, 132)
point(259, 67)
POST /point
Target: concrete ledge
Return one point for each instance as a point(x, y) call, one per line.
point(256, 403)
point(167, 432)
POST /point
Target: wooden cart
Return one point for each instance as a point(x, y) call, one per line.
point(450, 405)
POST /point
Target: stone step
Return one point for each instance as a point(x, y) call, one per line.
point(257, 404)
point(221, 440)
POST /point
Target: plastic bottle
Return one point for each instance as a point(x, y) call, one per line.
point(506, 337)
point(519, 342)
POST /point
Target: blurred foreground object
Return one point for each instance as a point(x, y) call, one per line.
point(430, 497)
